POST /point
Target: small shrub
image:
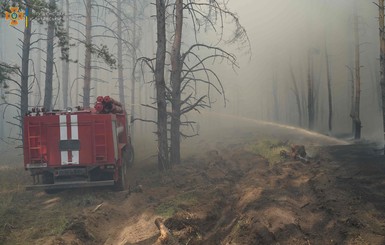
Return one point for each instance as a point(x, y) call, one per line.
point(269, 149)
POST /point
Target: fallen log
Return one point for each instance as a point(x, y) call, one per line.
point(166, 237)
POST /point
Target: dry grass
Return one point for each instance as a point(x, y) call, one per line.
point(169, 208)
point(27, 216)
point(268, 149)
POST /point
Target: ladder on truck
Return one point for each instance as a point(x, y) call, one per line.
point(100, 139)
point(34, 143)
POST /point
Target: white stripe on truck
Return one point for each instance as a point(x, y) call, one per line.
point(75, 136)
point(63, 136)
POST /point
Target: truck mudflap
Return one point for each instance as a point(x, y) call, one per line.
point(70, 184)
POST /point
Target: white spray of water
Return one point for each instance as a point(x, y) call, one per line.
point(298, 130)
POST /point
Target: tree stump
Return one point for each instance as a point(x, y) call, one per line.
point(166, 237)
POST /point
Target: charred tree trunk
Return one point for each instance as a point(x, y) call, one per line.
point(351, 73)
point(49, 60)
point(25, 69)
point(176, 69)
point(296, 94)
point(329, 86)
point(357, 71)
point(382, 58)
point(87, 62)
point(163, 162)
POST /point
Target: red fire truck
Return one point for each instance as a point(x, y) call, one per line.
point(82, 148)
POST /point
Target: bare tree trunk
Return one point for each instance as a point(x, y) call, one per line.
point(133, 78)
point(329, 86)
point(302, 92)
point(382, 58)
point(49, 61)
point(275, 96)
point(25, 69)
point(176, 69)
point(87, 62)
point(77, 71)
point(296, 93)
point(120, 53)
point(310, 91)
point(38, 98)
point(65, 63)
point(352, 98)
point(95, 82)
point(357, 69)
point(2, 95)
point(163, 162)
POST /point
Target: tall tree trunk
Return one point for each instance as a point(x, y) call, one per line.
point(25, 69)
point(310, 91)
point(329, 86)
point(382, 58)
point(275, 96)
point(38, 98)
point(176, 69)
point(163, 162)
point(303, 94)
point(2, 94)
point(357, 69)
point(49, 60)
point(77, 71)
point(95, 82)
point(351, 73)
point(133, 78)
point(120, 53)
point(65, 63)
point(296, 94)
point(87, 62)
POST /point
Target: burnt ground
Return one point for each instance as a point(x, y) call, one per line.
point(230, 189)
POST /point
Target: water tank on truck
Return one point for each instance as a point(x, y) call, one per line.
point(78, 148)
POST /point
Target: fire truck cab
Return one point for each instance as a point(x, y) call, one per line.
point(82, 148)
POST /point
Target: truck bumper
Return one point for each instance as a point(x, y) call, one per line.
point(69, 185)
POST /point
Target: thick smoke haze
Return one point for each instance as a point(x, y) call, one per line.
point(283, 35)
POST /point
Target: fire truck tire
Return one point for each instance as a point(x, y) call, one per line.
point(47, 178)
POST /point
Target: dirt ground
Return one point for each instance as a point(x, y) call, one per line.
point(231, 188)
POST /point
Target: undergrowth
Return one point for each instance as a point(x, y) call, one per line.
point(169, 208)
point(27, 216)
point(268, 149)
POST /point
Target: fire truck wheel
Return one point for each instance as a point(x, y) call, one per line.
point(47, 178)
